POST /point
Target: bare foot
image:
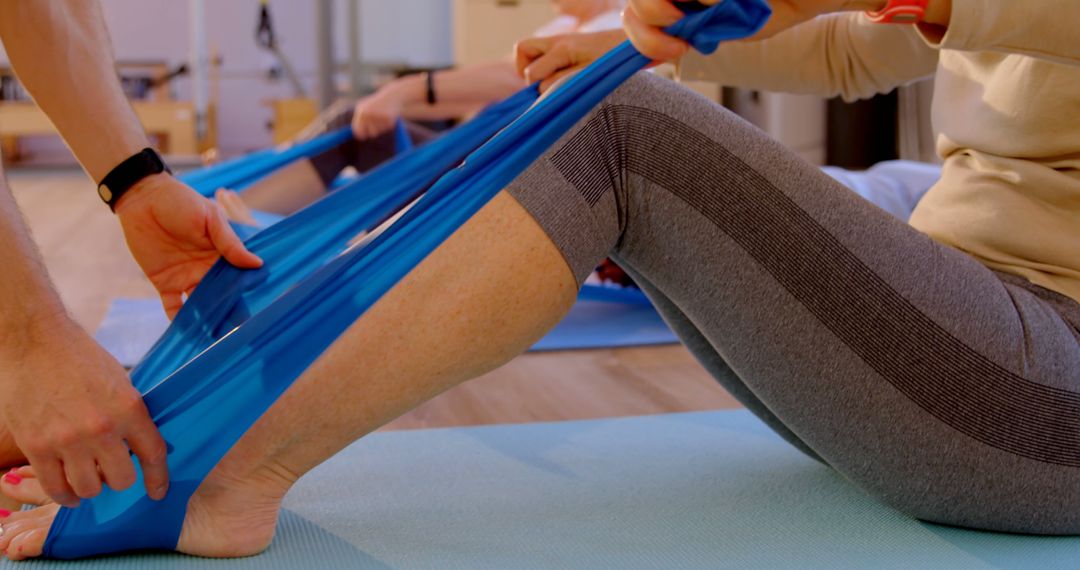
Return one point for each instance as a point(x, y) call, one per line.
point(235, 208)
point(226, 518)
point(23, 486)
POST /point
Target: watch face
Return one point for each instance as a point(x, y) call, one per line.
point(105, 193)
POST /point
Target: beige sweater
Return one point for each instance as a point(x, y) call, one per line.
point(1006, 107)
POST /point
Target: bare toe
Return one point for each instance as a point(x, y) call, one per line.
point(28, 544)
point(24, 532)
point(21, 485)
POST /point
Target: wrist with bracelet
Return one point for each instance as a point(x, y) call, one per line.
point(429, 81)
point(899, 12)
point(128, 174)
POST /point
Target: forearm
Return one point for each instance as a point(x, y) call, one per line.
point(457, 89)
point(938, 12)
point(61, 52)
point(28, 304)
point(843, 55)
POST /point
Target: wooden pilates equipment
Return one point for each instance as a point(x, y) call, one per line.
point(172, 122)
point(290, 116)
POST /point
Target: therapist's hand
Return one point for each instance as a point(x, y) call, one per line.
point(71, 409)
point(549, 59)
point(176, 235)
point(645, 20)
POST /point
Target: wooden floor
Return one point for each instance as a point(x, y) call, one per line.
point(84, 251)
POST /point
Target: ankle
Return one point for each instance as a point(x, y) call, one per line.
point(268, 481)
point(234, 514)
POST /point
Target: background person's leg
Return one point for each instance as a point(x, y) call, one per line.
point(284, 192)
point(305, 181)
point(908, 366)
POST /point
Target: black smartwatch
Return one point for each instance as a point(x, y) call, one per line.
point(118, 181)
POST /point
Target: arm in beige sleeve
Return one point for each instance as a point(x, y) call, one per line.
point(1046, 29)
point(843, 55)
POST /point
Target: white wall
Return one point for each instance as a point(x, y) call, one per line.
point(413, 32)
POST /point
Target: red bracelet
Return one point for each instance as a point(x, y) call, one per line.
point(900, 12)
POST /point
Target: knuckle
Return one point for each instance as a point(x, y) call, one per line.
point(155, 454)
point(132, 403)
point(88, 489)
point(53, 488)
point(34, 446)
point(100, 426)
point(63, 437)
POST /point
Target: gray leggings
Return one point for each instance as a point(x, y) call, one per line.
point(940, 387)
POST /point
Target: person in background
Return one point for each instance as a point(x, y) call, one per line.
point(895, 186)
point(431, 96)
point(66, 406)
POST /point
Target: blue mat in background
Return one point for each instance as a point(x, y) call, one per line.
point(602, 324)
point(682, 491)
point(132, 326)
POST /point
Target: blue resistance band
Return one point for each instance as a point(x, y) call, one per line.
point(402, 143)
point(204, 404)
point(238, 174)
point(305, 241)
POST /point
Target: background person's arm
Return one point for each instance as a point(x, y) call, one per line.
point(61, 52)
point(456, 90)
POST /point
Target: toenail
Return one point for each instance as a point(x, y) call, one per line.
point(12, 478)
point(4, 513)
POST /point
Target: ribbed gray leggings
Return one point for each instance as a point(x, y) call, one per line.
point(940, 387)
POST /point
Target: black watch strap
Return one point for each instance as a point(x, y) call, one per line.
point(128, 173)
point(430, 81)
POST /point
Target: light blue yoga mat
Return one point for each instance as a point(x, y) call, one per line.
point(132, 326)
point(705, 490)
